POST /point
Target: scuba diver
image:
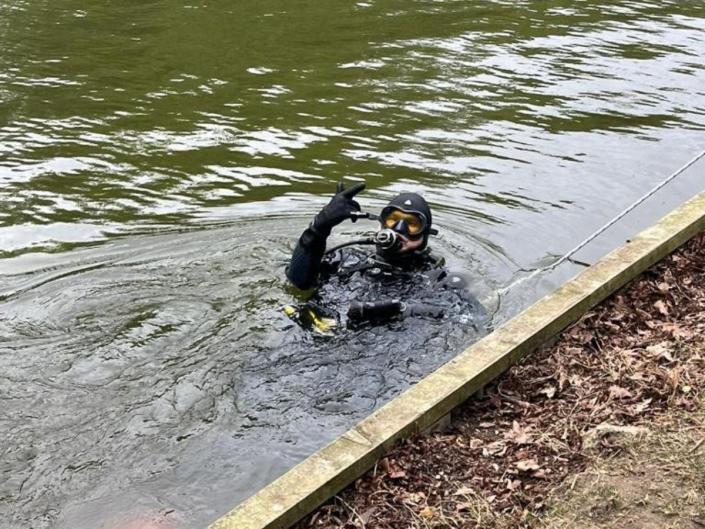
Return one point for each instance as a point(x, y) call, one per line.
point(400, 279)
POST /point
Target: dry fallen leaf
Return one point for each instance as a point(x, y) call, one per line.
point(678, 331)
point(497, 448)
point(475, 443)
point(517, 434)
point(542, 473)
point(617, 392)
point(642, 406)
point(366, 516)
point(464, 491)
point(391, 469)
point(576, 380)
point(660, 306)
point(413, 497)
point(549, 391)
point(513, 484)
point(661, 350)
point(527, 465)
point(664, 287)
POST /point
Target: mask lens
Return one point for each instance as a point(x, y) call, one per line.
point(413, 222)
point(392, 219)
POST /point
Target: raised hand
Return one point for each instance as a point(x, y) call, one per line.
point(342, 206)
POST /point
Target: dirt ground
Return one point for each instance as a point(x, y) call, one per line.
point(605, 428)
point(656, 482)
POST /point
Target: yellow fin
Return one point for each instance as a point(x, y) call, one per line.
point(321, 324)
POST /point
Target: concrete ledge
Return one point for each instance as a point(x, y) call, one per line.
point(325, 473)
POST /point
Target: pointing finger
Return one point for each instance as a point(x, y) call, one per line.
point(354, 190)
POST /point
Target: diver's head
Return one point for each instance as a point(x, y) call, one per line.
point(409, 217)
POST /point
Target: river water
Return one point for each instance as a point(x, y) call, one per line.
point(158, 162)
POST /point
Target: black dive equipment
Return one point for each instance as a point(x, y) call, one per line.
point(387, 239)
point(411, 225)
point(384, 310)
point(374, 310)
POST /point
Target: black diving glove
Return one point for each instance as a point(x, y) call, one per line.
point(341, 207)
point(305, 265)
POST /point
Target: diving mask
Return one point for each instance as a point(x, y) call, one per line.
point(411, 225)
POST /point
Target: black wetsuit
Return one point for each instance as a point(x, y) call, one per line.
point(416, 285)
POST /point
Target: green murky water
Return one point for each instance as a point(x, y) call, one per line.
point(157, 161)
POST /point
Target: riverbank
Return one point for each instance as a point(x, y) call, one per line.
point(627, 374)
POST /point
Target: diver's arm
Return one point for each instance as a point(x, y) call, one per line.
point(306, 260)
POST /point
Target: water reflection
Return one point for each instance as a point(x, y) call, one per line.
point(158, 161)
point(473, 91)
